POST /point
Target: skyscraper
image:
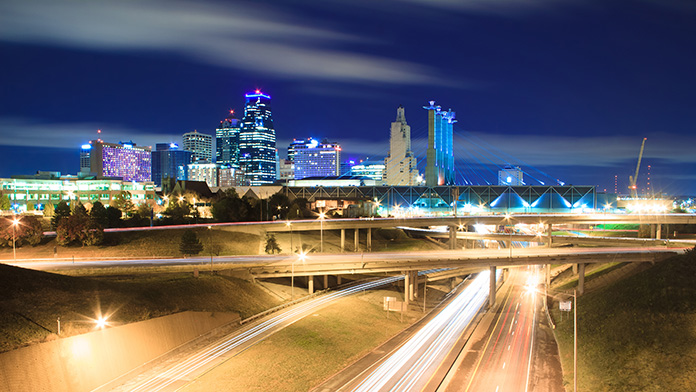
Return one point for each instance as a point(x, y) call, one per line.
point(124, 160)
point(439, 169)
point(227, 141)
point(510, 176)
point(168, 162)
point(200, 144)
point(314, 159)
point(257, 140)
point(401, 165)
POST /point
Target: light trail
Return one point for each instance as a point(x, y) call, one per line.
point(185, 368)
point(409, 366)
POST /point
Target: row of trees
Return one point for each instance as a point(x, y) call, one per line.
point(28, 230)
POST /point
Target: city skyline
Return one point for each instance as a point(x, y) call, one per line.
point(568, 89)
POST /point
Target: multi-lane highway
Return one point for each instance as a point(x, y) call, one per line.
point(501, 357)
point(411, 367)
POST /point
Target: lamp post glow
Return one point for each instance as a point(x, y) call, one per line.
point(289, 224)
point(321, 231)
point(15, 222)
point(302, 257)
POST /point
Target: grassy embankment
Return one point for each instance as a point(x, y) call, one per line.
point(637, 334)
point(310, 350)
point(31, 301)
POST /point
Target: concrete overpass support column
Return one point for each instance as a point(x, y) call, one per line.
point(658, 233)
point(653, 231)
point(407, 283)
point(415, 284)
point(326, 282)
point(547, 270)
point(581, 278)
point(310, 284)
point(549, 239)
point(452, 237)
point(343, 240)
point(357, 240)
point(575, 269)
point(491, 292)
point(338, 280)
point(369, 239)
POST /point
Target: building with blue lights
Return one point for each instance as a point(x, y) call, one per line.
point(314, 159)
point(374, 170)
point(227, 141)
point(439, 169)
point(168, 162)
point(257, 140)
point(124, 160)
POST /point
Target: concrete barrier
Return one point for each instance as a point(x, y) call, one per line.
point(85, 362)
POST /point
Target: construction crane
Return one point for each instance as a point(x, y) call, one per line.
point(634, 179)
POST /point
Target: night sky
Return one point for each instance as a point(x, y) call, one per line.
point(565, 89)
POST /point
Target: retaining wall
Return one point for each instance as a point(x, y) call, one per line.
point(85, 362)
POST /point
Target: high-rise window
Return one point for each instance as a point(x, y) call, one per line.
point(200, 144)
point(227, 141)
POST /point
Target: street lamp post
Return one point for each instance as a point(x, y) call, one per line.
point(301, 256)
point(321, 231)
point(289, 224)
point(15, 222)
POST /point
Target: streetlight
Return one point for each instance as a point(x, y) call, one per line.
point(15, 222)
point(321, 231)
point(289, 224)
point(302, 255)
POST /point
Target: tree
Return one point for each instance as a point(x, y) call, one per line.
point(230, 208)
point(123, 202)
point(178, 211)
point(272, 244)
point(4, 202)
point(79, 208)
point(28, 231)
point(113, 216)
point(98, 214)
point(278, 205)
point(49, 210)
point(61, 212)
point(190, 244)
point(79, 228)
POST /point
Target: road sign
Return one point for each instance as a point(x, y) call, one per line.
point(565, 306)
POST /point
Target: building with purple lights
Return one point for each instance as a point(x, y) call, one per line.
point(314, 159)
point(124, 160)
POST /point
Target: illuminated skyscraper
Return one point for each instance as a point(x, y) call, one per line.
point(439, 169)
point(257, 140)
point(401, 166)
point(200, 144)
point(227, 141)
point(124, 160)
point(314, 159)
point(168, 162)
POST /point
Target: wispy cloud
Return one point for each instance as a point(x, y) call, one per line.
point(23, 132)
point(239, 36)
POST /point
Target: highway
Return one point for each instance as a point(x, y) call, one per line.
point(502, 358)
point(183, 370)
point(413, 364)
point(269, 266)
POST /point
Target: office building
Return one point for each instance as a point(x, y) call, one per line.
point(227, 141)
point(124, 160)
point(203, 171)
point(35, 192)
point(168, 162)
point(400, 164)
point(374, 170)
point(257, 140)
point(292, 148)
point(439, 169)
point(200, 145)
point(510, 175)
point(286, 170)
point(314, 159)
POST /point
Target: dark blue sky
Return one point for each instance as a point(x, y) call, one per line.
point(563, 88)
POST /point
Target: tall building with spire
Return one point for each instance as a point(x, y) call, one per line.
point(439, 169)
point(257, 140)
point(401, 165)
point(227, 141)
